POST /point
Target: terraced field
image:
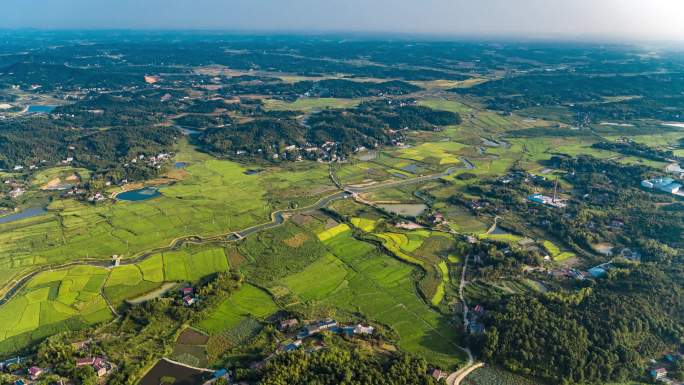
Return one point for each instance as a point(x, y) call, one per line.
point(188, 264)
point(247, 302)
point(54, 301)
point(382, 288)
point(215, 198)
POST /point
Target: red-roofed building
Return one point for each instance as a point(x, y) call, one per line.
point(35, 372)
point(85, 361)
point(187, 290)
point(438, 374)
point(188, 300)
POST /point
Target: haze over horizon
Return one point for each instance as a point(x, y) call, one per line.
point(538, 19)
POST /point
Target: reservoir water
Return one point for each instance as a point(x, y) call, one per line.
point(40, 109)
point(28, 213)
point(408, 209)
point(140, 194)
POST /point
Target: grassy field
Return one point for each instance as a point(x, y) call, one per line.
point(185, 265)
point(59, 175)
point(318, 280)
point(382, 288)
point(53, 301)
point(441, 153)
point(247, 302)
point(446, 105)
point(364, 224)
point(215, 198)
point(551, 248)
point(355, 278)
point(509, 238)
point(310, 104)
point(333, 231)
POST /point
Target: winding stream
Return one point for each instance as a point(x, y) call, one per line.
point(277, 218)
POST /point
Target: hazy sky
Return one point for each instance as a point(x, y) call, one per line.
point(622, 19)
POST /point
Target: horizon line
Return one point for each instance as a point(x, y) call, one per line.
point(512, 37)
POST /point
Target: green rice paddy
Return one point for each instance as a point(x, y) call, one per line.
point(217, 197)
point(319, 266)
point(53, 301)
point(188, 264)
point(364, 224)
point(310, 104)
point(247, 302)
point(382, 288)
point(333, 231)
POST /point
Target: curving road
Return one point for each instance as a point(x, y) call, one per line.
point(277, 218)
point(455, 378)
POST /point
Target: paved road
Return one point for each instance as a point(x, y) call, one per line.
point(403, 182)
point(277, 218)
point(461, 288)
point(455, 378)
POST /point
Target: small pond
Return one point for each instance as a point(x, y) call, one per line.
point(39, 109)
point(140, 194)
point(180, 165)
point(188, 131)
point(28, 213)
point(182, 375)
point(406, 209)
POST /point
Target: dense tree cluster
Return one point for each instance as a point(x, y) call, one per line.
point(636, 149)
point(658, 93)
point(328, 88)
point(200, 121)
point(52, 77)
point(121, 109)
point(31, 141)
point(669, 108)
point(599, 334)
point(606, 204)
point(496, 261)
point(369, 125)
point(341, 367)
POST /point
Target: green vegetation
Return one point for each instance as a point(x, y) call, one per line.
point(309, 104)
point(333, 231)
point(300, 368)
point(327, 133)
point(247, 302)
point(432, 153)
point(364, 224)
point(189, 264)
point(317, 281)
point(53, 301)
point(217, 197)
point(580, 327)
point(382, 289)
point(495, 376)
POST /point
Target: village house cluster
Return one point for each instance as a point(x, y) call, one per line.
point(659, 369)
point(155, 161)
point(665, 184)
point(289, 326)
point(26, 373)
point(188, 295)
